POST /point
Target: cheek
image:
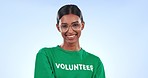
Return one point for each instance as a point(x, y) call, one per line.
point(63, 34)
point(78, 33)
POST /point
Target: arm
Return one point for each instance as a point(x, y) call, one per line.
point(42, 66)
point(100, 73)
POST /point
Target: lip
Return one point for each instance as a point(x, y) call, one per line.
point(72, 36)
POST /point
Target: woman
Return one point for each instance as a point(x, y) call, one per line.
point(68, 60)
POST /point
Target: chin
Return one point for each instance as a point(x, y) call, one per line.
point(71, 42)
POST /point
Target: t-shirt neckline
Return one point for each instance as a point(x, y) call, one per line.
point(69, 51)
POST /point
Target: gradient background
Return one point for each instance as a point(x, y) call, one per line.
point(115, 30)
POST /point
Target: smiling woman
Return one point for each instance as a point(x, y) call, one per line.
point(70, 27)
point(68, 60)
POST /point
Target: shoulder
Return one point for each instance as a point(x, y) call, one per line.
point(93, 57)
point(95, 60)
point(45, 50)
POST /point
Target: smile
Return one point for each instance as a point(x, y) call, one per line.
point(71, 36)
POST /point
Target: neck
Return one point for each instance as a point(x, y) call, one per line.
point(71, 46)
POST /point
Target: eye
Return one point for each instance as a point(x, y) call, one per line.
point(64, 26)
point(75, 25)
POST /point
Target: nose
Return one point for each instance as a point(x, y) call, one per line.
point(70, 30)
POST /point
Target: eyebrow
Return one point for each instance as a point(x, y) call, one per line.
point(74, 22)
point(71, 23)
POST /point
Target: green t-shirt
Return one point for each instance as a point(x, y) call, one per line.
point(56, 62)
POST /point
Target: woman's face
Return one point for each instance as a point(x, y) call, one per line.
point(70, 27)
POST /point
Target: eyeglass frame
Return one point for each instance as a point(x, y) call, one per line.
point(71, 25)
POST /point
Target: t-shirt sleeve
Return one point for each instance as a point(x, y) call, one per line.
point(100, 73)
point(42, 66)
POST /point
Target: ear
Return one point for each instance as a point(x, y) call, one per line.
point(58, 27)
point(83, 24)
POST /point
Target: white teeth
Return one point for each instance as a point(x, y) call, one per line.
point(71, 36)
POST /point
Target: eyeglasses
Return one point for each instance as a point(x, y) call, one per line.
point(74, 26)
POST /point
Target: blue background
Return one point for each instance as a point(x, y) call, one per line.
point(115, 30)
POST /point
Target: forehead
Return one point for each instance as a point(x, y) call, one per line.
point(70, 18)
